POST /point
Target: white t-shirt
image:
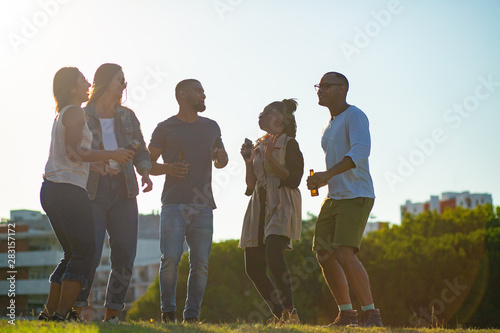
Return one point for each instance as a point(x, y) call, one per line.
point(109, 138)
point(348, 135)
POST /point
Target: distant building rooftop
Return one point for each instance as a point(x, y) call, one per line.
point(448, 200)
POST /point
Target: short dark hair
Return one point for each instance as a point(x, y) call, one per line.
point(341, 77)
point(183, 85)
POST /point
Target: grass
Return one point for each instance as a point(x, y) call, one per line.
point(25, 326)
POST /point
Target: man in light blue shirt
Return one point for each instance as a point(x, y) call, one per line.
point(345, 211)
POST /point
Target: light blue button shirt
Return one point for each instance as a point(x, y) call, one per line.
point(348, 134)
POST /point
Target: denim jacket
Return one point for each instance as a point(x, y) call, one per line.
point(127, 128)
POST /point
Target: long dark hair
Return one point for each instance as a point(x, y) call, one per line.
point(65, 80)
point(102, 79)
point(287, 108)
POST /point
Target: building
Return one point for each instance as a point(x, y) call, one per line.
point(448, 200)
point(38, 252)
point(375, 226)
point(34, 219)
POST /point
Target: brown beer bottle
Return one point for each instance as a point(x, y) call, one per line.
point(134, 145)
point(182, 156)
point(314, 191)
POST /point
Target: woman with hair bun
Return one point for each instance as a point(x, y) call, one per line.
point(274, 168)
point(64, 196)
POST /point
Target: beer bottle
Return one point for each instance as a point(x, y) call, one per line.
point(314, 191)
point(134, 145)
point(182, 156)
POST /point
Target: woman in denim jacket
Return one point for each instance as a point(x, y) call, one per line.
point(112, 187)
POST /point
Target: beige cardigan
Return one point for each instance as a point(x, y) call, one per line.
point(283, 208)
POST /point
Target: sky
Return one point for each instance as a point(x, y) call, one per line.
point(426, 73)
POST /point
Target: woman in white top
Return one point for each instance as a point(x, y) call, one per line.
point(63, 195)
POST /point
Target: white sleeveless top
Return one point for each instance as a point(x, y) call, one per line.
point(59, 168)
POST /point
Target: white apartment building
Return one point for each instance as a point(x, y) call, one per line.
point(38, 252)
point(374, 226)
point(448, 200)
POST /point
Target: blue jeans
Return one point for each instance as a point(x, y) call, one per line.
point(117, 214)
point(70, 215)
point(193, 223)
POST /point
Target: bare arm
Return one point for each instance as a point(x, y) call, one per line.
point(220, 158)
point(176, 169)
point(320, 179)
point(74, 121)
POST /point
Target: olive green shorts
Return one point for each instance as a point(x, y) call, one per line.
point(341, 223)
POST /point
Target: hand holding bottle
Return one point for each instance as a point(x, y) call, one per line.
point(178, 169)
point(122, 155)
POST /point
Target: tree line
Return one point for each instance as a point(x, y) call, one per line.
point(431, 270)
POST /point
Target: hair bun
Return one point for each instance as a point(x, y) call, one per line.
point(291, 105)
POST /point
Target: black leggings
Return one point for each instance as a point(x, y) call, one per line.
point(270, 254)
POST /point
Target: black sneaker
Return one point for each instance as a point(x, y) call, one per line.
point(57, 317)
point(71, 316)
point(345, 317)
point(169, 317)
point(43, 316)
point(74, 317)
point(370, 318)
point(192, 320)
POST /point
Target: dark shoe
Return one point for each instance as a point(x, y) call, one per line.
point(290, 317)
point(274, 321)
point(74, 316)
point(345, 317)
point(193, 320)
point(43, 316)
point(57, 317)
point(71, 316)
point(169, 317)
point(370, 318)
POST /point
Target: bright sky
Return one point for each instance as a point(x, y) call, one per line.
point(426, 73)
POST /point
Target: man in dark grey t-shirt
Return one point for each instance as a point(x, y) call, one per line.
point(188, 144)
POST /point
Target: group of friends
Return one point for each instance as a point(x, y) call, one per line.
point(90, 189)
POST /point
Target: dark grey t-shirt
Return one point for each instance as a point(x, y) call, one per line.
point(197, 140)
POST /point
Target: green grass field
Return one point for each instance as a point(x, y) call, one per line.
point(145, 327)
